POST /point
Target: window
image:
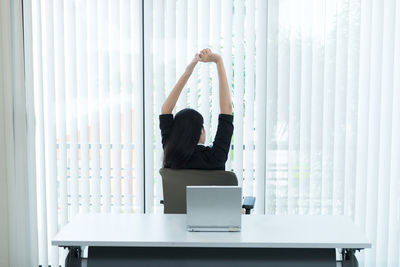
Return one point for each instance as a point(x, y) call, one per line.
point(88, 99)
point(314, 93)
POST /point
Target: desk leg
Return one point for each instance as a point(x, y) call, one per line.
point(73, 258)
point(349, 258)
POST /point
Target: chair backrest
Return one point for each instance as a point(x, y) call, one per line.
point(175, 181)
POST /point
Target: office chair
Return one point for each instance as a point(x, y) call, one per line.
point(175, 181)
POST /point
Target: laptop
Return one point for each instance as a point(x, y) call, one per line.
point(214, 208)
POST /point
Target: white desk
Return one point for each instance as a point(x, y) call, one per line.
point(156, 232)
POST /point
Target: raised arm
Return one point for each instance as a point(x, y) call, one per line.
point(171, 100)
point(225, 102)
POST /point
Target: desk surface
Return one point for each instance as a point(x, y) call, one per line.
point(258, 231)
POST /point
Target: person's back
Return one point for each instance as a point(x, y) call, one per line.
point(183, 136)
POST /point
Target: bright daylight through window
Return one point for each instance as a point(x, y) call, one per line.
point(312, 84)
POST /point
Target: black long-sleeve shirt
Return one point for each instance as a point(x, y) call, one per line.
point(205, 157)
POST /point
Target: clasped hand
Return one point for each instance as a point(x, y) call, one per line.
point(205, 55)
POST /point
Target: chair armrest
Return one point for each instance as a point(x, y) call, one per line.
point(248, 204)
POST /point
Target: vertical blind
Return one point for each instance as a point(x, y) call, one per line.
point(89, 112)
point(315, 86)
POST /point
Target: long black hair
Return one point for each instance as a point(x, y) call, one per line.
point(184, 136)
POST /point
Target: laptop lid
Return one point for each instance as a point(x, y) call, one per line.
point(214, 208)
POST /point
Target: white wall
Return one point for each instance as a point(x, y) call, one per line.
point(18, 228)
point(3, 178)
point(3, 192)
point(4, 229)
point(3, 181)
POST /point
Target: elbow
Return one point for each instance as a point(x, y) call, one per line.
point(230, 110)
point(165, 110)
point(227, 110)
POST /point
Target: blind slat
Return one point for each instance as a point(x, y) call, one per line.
point(373, 130)
point(159, 88)
point(137, 78)
point(148, 108)
point(104, 81)
point(282, 110)
point(83, 135)
point(329, 108)
point(181, 53)
point(351, 107)
point(40, 134)
point(226, 34)
point(204, 68)
point(363, 113)
point(340, 106)
point(192, 50)
point(305, 110)
point(50, 131)
point(71, 83)
point(170, 47)
point(272, 84)
point(93, 105)
point(385, 142)
point(260, 107)
point(249, 97)
point(294, 111)
point(215, 18)
point(238, 89)
point(115, 112)
point(394, 201)
point(60, 104)
point(126, 100)
point(317, 83)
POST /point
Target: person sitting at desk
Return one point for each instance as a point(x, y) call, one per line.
point(183, 137)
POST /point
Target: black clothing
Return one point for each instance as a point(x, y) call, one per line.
point(205, 157)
